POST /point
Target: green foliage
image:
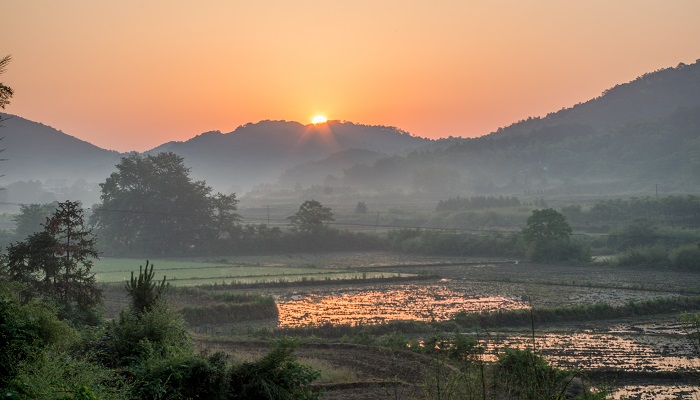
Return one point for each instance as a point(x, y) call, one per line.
point(311, 217)
point(524, 375)
point(31, 218)
point(440, 243)
point(361, 208)
point(686, 258)
point(477, 202)
point(547, 224)
point(56, 264)
point(645, 257)
point(52, 374)
point(135, 336)
point(276, 376)
point(549, 236)
point(559, 250)
point(6, 92)
point(24, 328)
point(598, 311)
point(641, 232)
point(239, 309)
point(181, 376)
point(151, 205)
point(144, 291)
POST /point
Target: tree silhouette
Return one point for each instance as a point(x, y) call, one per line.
point(144, 291)
point(56, 263)
point(311, 217)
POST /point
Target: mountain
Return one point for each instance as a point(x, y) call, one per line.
point(259, 152)
point(628, 140)
point(650, 96)
point(312, 172)
point(34, 151)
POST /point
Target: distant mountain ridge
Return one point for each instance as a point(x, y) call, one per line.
point(258, 152)
point(650, 96)
point(35, 151)
point(633, 136)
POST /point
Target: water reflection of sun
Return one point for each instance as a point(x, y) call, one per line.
point(409, 302)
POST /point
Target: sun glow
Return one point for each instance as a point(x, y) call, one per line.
point(319, 119)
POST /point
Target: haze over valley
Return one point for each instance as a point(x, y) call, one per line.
point(633, 137)
point(453, 200)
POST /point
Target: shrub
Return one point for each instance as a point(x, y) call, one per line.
point(135, 336)
point(25, 328)
point(276, 376)
point(54, 374)
point(686, 258)
point(181, 376)
point(655, 256)
point(526, 375)
point(558, 250)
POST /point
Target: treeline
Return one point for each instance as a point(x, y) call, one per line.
point(669, 210)
point(477, 203)
point(444, 243)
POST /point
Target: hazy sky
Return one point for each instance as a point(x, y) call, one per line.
point(130, 75)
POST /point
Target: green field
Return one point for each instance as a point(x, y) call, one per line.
point(188, 273)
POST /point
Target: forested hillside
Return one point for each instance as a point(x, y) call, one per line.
point(630, 139)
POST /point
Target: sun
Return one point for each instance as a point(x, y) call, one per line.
point(319, 119)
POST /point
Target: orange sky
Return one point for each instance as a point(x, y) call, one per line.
point(130, 75)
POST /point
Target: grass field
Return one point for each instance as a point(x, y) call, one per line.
point(200, 272)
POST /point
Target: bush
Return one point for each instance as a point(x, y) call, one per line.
point(686, 258)
point(24, 328)
point(53, 374)
point(276, 376)
point(525, 375)
point(182, 376)
point(559, 250)
point(135, 336)
point(655, 256)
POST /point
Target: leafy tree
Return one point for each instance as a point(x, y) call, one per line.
point(31, 218)
point(6, 92)
point(276, 376)
point(151, 204)
point(546, 224)
point(56, 263)
point(361, 208)
point(311, 217)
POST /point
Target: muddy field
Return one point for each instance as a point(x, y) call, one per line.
point(635, 355)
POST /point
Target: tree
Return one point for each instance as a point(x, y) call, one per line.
point(549, 236)
point(361, 208)
point(311, 217)
point(152, 205)
point(56, 263)
point(31, 218)
point(6, 92)
point(144, 291)
point(546, 224)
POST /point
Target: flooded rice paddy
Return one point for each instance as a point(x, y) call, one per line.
point(590, 351)
point(377, 305)
point(657, 345)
